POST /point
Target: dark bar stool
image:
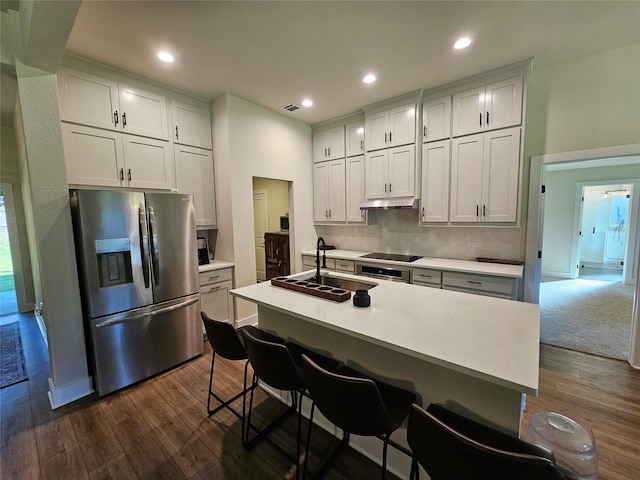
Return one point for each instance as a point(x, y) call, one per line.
point(356, 404)
point(227, 342)
point(278, 364)
point(448, 445)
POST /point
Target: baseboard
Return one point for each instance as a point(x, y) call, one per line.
point(251, 320)
point(69, 393)
point(556, 274)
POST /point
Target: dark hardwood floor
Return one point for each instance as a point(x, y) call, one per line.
point(159, 428)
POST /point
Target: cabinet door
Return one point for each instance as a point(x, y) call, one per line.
point(355, 189)
point(402, 125)
point(216, 301)
point(376, 174)
point(354, 139)
point(466, 178)
point(93, 156)
point(468, 112)
point(194, 174)
point(435, 182)
point(376, 131)
point(148, 163)
point(500, 175)
point(503, 103)
point(336, 191)
point(335, 139)
point(320, 148)
point(320, 183)
point(143, 113)
point(436, 119)
point(88, 100)
point(191, 125)
point(402, 177)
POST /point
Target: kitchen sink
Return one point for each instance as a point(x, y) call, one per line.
point(339, 282)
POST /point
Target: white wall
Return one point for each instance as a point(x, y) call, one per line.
point(251, 141)
point(560, 199)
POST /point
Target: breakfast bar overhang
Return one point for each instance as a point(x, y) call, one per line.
point(476, 355)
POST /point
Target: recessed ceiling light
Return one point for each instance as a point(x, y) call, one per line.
point(370, 78)
point(463, 42)
point(306, 102)
point(165, 57)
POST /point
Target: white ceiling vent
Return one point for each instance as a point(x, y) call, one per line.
point(290, 107)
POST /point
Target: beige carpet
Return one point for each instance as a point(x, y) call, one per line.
point(587, 315)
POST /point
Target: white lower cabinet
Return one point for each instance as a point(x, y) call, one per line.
point(484, 177)
point(427, 277)
point(215, 299)
point(194, 174)
point(111, 159)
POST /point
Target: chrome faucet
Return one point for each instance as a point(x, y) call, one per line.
point(324, 257)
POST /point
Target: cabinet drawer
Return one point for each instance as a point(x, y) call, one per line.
point(483, 283)
point(346, 266)
point(215, 276)
point(427, 275)
point(310, 262)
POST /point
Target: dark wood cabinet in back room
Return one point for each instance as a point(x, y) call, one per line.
point(276, 252)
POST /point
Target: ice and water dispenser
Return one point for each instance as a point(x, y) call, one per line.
point(114, 261)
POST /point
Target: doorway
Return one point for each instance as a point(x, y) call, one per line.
point(604, 243)
point(8, 299)
point(538, 246)
point(270, 203)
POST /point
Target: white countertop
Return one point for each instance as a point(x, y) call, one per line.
point(465, 266)
point(214, 265)
point(488, 338)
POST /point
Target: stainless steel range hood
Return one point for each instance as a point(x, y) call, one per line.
point(390, 203)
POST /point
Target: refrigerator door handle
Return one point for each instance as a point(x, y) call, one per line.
point(155, 259)
point(138, 316)
point(144, 245)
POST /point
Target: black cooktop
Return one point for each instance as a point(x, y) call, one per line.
point(392, 256)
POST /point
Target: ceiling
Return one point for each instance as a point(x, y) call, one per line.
point(274, 53)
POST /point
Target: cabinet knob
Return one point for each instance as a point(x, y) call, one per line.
point(115, 117)
point(121, 174)
point(124, 119)
point(361, 144)
point(389, 137)
point(385, 137)
point(423, 213)
point(329, 213)
point(484, 210)
point(129, 174)
point(176, 132)
point(389, 188)
point(477, 210)
point(424, 131)
point(487, 119)
point(480, 119)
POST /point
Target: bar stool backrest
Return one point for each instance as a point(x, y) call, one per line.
point(223, 338)
point(272, 363)
point(436, 439)
point(353, 404)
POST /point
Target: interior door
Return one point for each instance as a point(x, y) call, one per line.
point(260, 222)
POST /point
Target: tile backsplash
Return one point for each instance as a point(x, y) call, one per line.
point(397, 231)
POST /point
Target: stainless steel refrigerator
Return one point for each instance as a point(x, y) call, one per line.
point(138, 265)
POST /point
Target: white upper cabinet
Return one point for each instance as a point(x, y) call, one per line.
point(354, 139)
point(390, 128)
point(484, 177)
point(390, 173)
point(436, 119)
point(190, 125)
point(328, 144)
point(355, 189)
point(493, 106)
point(434, 198)
point(194, 174)
point(106, 158)
point(329, 191)
point(90, 100)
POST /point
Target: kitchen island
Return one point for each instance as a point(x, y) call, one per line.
point(476, 355)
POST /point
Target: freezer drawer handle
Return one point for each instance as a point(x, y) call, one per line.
point(144, 252)
point(170, 308)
